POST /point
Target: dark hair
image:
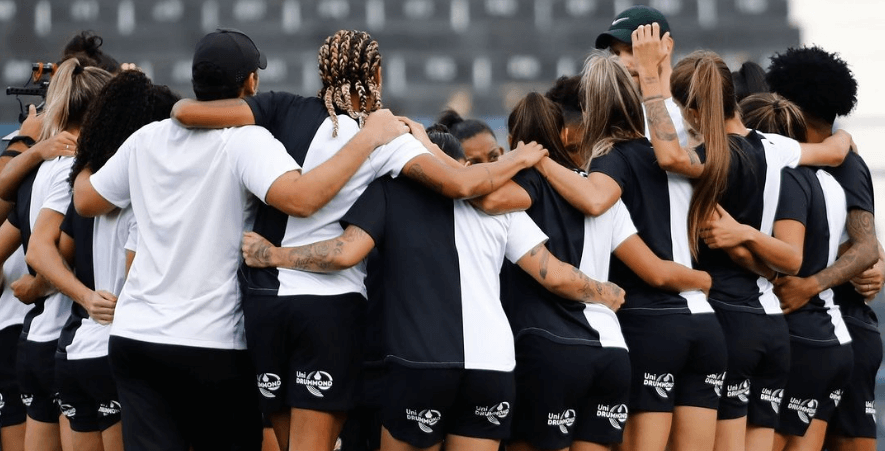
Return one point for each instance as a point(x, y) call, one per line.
point(537, 118)
point(770, 113)
point(86, 47)
point(125, 104)
point(566, 93)
point(439, 135)
point(749, 79)
point(210, 82)
point(463, 129)
point(818, 82)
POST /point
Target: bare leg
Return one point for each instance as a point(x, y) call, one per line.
point(280, 422)
point(646, 431)
point(813, 440)
point(835, 443)
point(86, 441)
point(780, 442)
point(12, 438)
point(759, 438)
point(588, 446)
point(525, 446)
point(40, 436)
point(112, 437)
point(462, 443)
point(389, 443)
point(694, 429)
point(269, 441)
point(311, 430)
point(730, 435)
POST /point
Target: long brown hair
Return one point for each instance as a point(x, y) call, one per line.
point(349, 61)
point(613, 109)
point(536, 118)
point(702, 81)
point(72, 89)
point(770, 113)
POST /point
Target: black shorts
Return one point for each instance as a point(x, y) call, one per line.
point(568, 392)
point(307, 350)
point(818, 374)
point(87, 393)
point(182, 397)
point(12, 411)
point(35, 366)
point(855, 416)
point(676, 360)
point(758, 366)
point(423, 405)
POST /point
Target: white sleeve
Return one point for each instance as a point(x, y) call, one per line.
point(522, 235)
point(393, 156)
point(112, 181)
point(787, 151)
point(58, 196)
point(132, 237)
point(622, 224)
point(258, 159)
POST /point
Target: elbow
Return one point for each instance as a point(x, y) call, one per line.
point(595, 208)
point(343, 261)
point(179, 111)
point(488, 204)
point(791, 267)
point(658, 280)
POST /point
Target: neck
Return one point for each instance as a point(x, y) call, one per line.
point(816, 134)
point(735, 126)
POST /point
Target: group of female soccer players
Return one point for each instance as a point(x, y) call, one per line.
point(653, 266)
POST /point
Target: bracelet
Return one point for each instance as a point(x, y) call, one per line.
point(651, 98)
point(22, 138)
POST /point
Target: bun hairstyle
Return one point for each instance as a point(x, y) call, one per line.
point(447, 142)
point(702, 82)
point(537, 118)
point(817, 81)
point(461, 128)
point(749, 79)
point(770, 113)
point(611, 96)
point(126, 103)
point(349, 61)
point(566, 93)
point(86, 47)
point(71, 91)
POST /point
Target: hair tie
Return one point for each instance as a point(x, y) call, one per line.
point(78, 69)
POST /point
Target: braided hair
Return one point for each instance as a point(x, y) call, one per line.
point(348, 62)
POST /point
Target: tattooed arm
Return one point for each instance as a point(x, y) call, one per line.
point(330, 255)
point(649, 49)
point(861, 255)
point(567, 281)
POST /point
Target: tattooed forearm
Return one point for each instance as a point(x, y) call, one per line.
point(416, 173)
point(862, 254)
point(659, 121)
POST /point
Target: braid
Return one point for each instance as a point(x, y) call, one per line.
point(348, 62)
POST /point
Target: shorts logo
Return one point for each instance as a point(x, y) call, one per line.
point(2, 403)
point(268, 383)
point(774, 397)
point(805, 408)
point(316, 382)
point(662, 384)
point(109, 408)
point(870, 409)
point(617, 414)
point(68, 410)
point(494, 413)
point(563, 420)
point(425, 419)
point(836, 396)
point(716, 380)
point(740, 391)
point(27, 399)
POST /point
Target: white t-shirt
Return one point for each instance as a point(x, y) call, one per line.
point(192, 192)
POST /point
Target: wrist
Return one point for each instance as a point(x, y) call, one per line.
point(274, 257)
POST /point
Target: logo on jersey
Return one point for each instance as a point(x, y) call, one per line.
point(562, 420)
point(716, 380)
point(805, 408)
point(836, 396)
point(27, 399)
point(616, 415)
point(109, 408)
point(775, 397)
point(269, 383)
point(662, 384)
point(68, 410)
point(870, 409)
point(740, 391)
point(426, 419)
point(494, 413)
point(316, 382)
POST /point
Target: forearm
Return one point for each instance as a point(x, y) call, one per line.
point(212, 114)
point(317, 257)
point(862, 254)
point(746, 259)
point(576, 189)
point(48, 263)
point(665, 141)
point(774, 253)
point(569, 282)
point(678, 278)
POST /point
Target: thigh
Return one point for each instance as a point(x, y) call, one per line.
point(603, 410)
point(417, 407)
point(75, 402)
point(12, 411)
point(36, 377)
point(659, 346)
point(270, 333)
point(855, 416)
point(702, 376)
point(769, 378)
point(483, 407)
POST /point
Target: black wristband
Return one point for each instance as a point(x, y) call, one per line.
point(22, 138)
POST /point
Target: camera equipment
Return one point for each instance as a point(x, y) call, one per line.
point(36, 86)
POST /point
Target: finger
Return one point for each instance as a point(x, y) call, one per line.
point(655, 30)
point(32, 110)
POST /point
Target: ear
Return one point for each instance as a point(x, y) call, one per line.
point(250, 86)
point(563, 135)
point(509, 141)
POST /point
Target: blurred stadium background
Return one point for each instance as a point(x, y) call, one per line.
point(478, 56)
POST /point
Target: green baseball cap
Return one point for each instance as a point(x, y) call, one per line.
point(629, 20)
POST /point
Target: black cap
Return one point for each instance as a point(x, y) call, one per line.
point(629, 20)
point(231, 51)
